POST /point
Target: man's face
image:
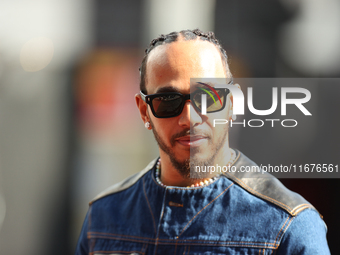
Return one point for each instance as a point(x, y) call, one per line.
point(189, 138)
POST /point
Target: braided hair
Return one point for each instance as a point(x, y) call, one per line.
point(172, 37)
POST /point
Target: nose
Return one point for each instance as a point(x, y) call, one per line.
point(189, 116)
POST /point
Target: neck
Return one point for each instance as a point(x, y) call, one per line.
point(170, 176)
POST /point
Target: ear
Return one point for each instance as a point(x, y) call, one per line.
point(231, 95)
point(143, 108)
point(230, 105)
point(231, 115)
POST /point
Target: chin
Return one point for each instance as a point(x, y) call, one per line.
point(201, 153)
point(196, 154)
point(183, 156)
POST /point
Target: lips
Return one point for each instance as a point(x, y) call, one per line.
point(191, 140)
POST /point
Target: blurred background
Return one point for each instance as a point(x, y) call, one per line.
point(69, 127)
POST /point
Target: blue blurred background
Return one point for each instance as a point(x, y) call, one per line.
point(69, 127)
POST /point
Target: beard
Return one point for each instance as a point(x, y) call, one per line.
point(186, 168)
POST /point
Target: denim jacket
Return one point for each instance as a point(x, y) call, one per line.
point(238, 213)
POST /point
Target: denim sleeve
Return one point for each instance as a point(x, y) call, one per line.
point(306, 235)
point(83, 244)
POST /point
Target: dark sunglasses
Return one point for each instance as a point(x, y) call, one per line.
point(171, 104)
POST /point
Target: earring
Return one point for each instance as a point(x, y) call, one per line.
point(233, 116)
point(147, 125)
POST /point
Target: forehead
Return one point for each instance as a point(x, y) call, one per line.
point(175, 63)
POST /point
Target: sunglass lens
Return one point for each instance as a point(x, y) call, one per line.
point(215, 101)
point(167, 106)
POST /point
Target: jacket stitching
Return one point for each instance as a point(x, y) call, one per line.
point(160, 220)
point(287, 225)
point(204, 208)
point(191, 241)
point(300, 208)
point(175, 247)
point(264, 196)
point(94, 252)
point(219, 244)
point(185, 248)
point(150, 240)
point(138, 237)
point(147, 200)
point(90, 241)
point(145, 246)
point(284, 224)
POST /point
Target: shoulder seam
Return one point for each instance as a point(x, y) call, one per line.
point(125, 184)
point(294, 203)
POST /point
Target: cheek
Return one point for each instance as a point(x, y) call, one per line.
point(162, 127)
point(219, 131)
point(218, 119)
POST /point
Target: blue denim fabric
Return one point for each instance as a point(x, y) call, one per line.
point(221, 218)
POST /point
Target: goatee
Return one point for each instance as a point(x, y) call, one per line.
point(187, 167)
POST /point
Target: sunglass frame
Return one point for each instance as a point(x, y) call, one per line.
point(148, 99)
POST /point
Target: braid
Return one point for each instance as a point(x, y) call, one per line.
point(172, 37)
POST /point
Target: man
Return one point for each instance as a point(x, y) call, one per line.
point(162, 210)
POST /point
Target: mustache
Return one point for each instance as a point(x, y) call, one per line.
point(189, 131)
